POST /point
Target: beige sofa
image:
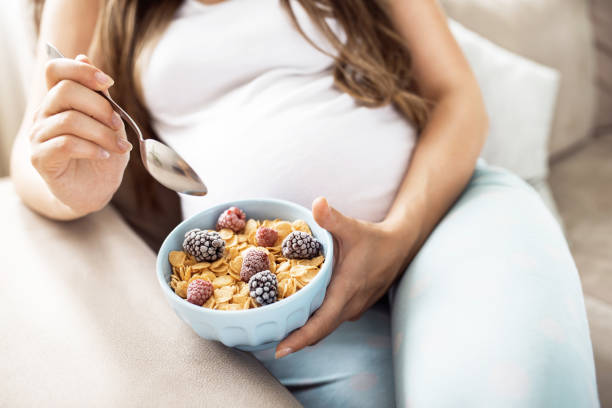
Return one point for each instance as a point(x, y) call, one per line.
point(82, 314)
point(84, 323)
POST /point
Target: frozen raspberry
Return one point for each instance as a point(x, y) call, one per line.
point(266, 237)
point(263, 287)
point(204, 245)
point(255, 260)
point(300, 245)
point(233, 218)
point(198, 291)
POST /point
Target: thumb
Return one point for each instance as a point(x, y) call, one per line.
point(331, 219)
point(319, 325)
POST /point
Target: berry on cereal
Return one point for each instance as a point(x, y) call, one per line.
point(255, 260)
point(266, 237)
point(233, 218)
point(215, 269)
point(300, 245)
point(198, 291)
point(263, 287)
point(204, 246)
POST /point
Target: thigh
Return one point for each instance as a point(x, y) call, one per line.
point(351, 367)
point(490, 312)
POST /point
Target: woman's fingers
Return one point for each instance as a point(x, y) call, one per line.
point(333, 220)
point(70, 95)
point(338, 301)
point(76, 123)
point(80, 71)
point(60, 149)
point(320, 324)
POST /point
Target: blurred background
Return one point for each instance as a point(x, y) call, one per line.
point(545, 67)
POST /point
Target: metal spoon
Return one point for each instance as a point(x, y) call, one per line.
point(163, 163)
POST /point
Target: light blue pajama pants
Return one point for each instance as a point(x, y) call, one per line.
point(489, 314)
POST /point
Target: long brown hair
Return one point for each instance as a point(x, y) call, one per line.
point(372, 64)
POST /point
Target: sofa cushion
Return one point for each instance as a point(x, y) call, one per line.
point(84, 323)
point(601, 16)
point(551, 32)
point(519, 96)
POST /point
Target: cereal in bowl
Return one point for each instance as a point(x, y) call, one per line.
point(245, 264)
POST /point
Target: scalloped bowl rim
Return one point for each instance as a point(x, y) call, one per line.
point(268, 308)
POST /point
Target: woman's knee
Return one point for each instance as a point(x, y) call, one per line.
point(476, 376)
point(479, 343)
point(491, 308)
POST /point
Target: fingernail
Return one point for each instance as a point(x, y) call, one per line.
point(328, 207)
point(327, 214)
point(116, 121)
point(103, 79)
point(283, 352)
point(124, 145)
point(103, 154)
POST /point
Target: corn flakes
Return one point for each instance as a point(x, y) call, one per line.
point(230, 292)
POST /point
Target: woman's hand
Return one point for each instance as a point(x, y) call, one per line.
point(368, 258)
point(78, 143)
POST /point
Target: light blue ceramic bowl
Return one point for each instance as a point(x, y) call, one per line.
point(252, 329)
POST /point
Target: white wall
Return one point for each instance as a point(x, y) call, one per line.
point(16, 54)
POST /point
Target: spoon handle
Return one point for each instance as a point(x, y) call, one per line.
point(123, 114)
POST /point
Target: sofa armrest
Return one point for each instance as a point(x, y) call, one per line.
point(84, 323)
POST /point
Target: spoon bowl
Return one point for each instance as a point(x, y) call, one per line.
point(169, 169)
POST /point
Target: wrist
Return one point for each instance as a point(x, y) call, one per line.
point(78, 208)
point(405, 222)
point(63, 212)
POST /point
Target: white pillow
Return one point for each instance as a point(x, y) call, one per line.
point(520, 96)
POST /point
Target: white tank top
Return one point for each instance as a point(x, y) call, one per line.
point(250, 104)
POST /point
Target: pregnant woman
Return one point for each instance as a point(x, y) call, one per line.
point(369, 104)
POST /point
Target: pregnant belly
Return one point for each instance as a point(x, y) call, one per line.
point(294, 138)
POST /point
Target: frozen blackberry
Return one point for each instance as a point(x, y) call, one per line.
point(263, 287)
point(204, 245)
point(300, 245)
point(255, 260)
point(266, 237)
point(233, 218)
point(198, 291)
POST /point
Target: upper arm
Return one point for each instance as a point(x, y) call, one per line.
point(70, 26)
point(437, 61)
